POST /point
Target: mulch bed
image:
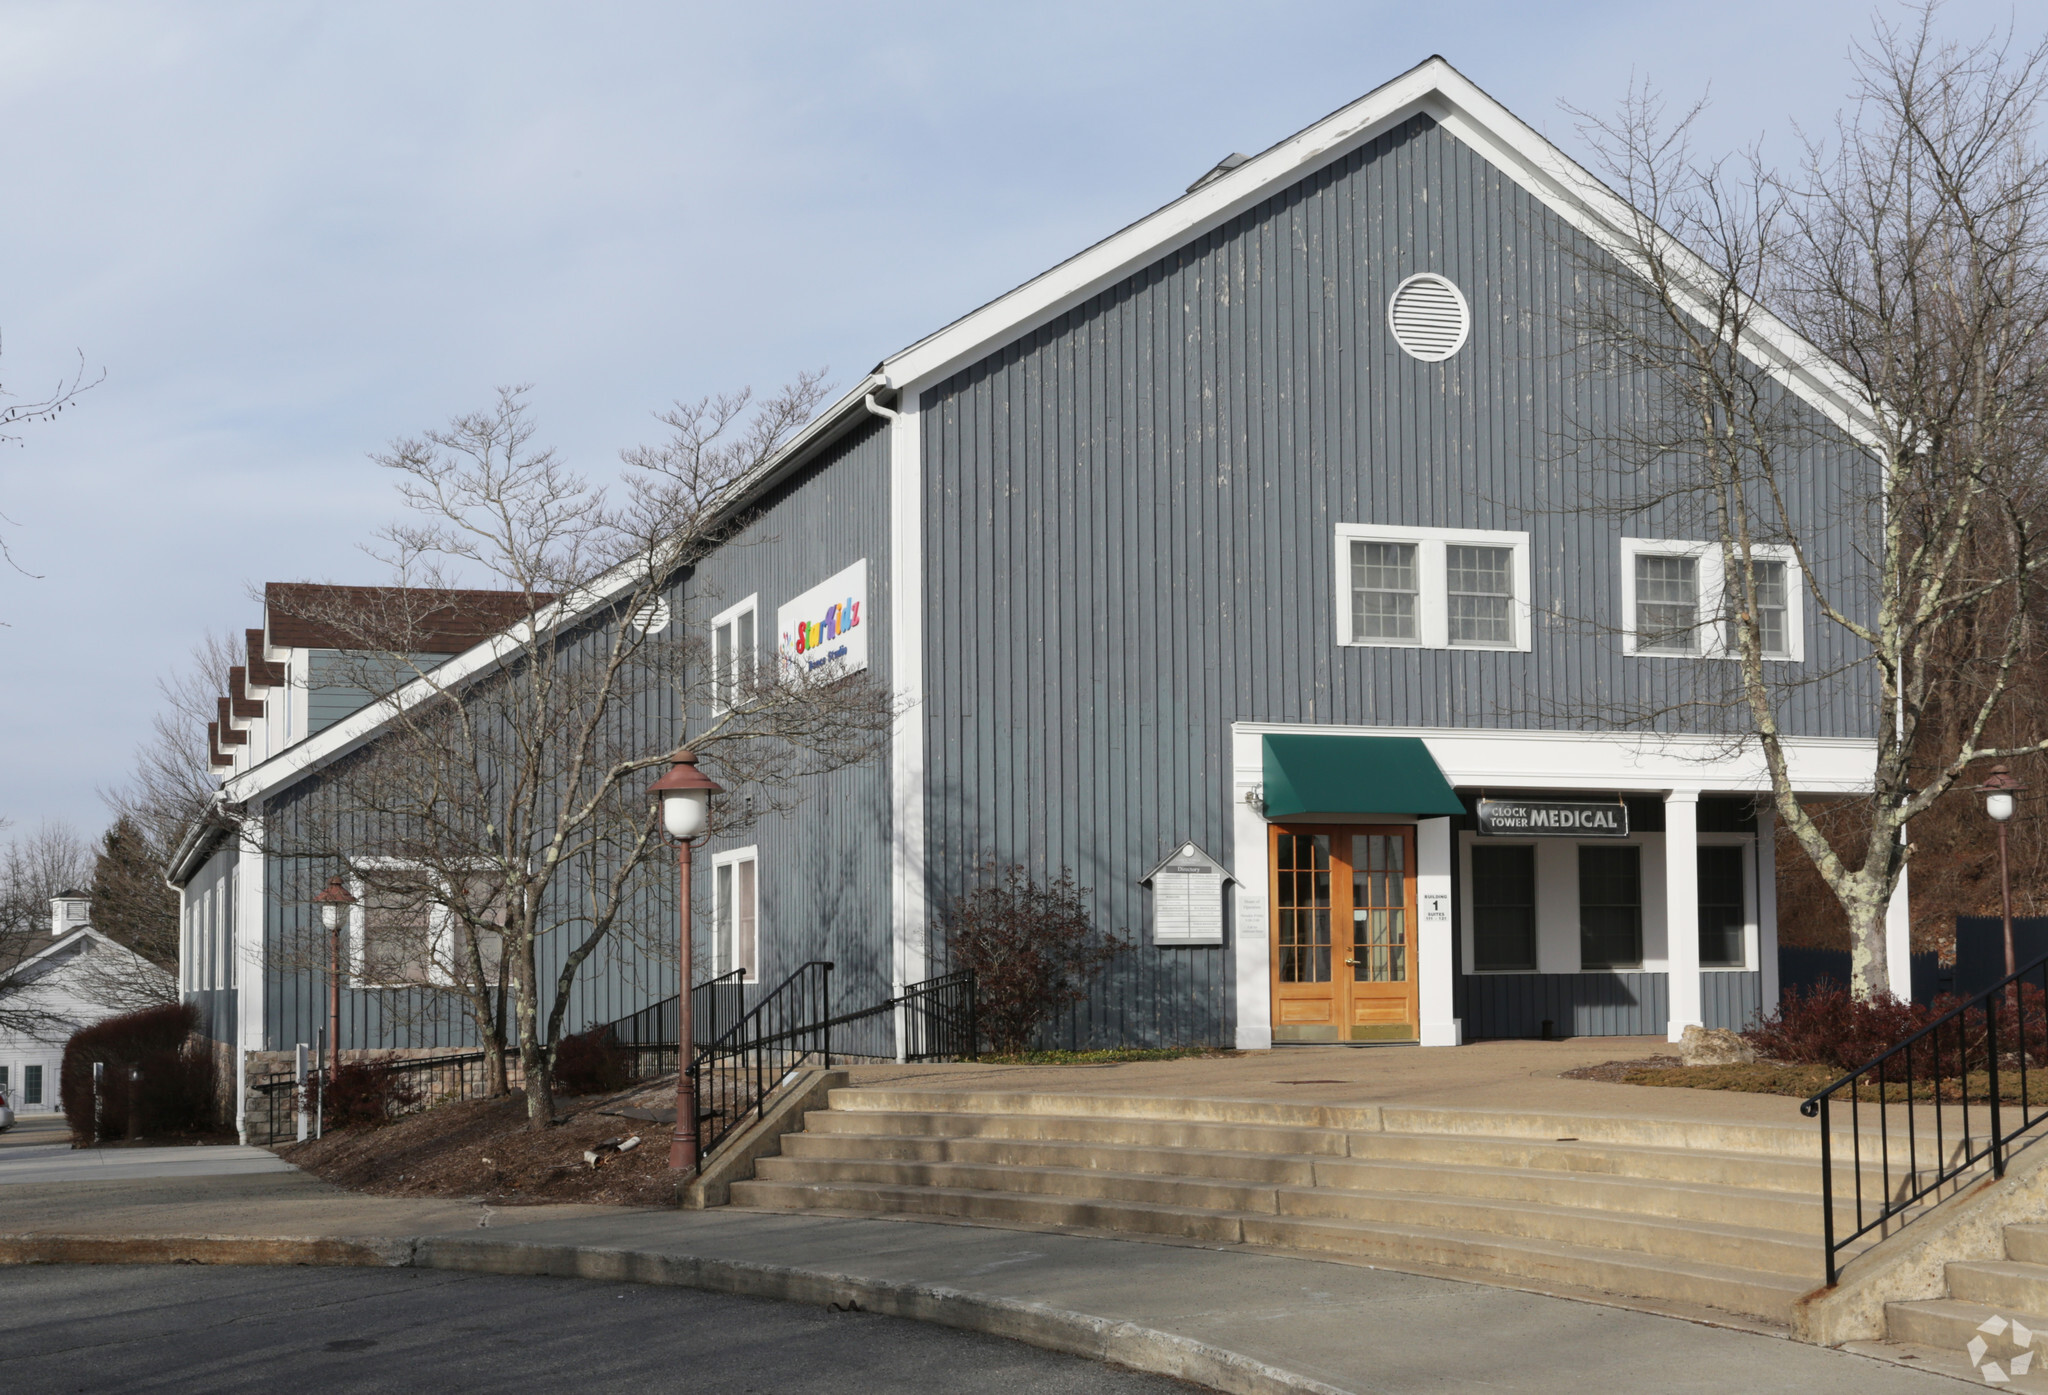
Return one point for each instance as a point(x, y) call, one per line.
point(1756, 1078)
point(487, 1150)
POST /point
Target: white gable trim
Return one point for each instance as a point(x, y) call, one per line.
point(15, 979)
point(1468, 114)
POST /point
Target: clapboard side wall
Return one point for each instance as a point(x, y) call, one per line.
point(824, 862)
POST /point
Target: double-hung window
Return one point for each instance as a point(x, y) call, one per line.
point(736, 913)
point(733, 653)
point(1432, 588)
point(1773, 610)
point(1680, 600)
point(1479, 583)
point(1383, 591)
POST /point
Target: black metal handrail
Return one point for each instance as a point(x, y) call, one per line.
point(736, 1073)
point(937, 1018)
point(1999, 1036)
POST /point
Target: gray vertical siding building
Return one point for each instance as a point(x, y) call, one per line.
point(1259, 565)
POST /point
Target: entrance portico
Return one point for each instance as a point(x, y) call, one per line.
point(1624, 886)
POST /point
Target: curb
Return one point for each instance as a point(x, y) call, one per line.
point(1055, 1329)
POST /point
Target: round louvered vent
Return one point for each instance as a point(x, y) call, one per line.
point(1429, 317)
point(651, 618)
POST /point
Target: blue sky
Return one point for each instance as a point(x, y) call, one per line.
point(291, 232)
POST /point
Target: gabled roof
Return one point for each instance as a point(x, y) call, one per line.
point(18, 976)
point(1433, 88)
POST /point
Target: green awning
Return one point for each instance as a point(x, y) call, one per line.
point(1354, 775)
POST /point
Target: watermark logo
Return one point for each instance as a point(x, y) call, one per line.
point(2016, 1334)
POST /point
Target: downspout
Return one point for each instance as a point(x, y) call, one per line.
point(901, 1019)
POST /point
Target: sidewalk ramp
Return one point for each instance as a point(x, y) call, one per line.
point(1680, 1214)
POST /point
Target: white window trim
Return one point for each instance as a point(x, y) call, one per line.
point(1713, 586)
point(1432, 603)
point(441, 923)
point(723, 681)
point(724, 956)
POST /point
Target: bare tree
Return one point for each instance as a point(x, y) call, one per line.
point(173, 780)
point(1912, 249)
point(498, 825)
point(35, 866)
point(17, 412)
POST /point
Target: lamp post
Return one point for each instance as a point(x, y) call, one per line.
point(333, 903)
point(1999, 788)
point(685, 794)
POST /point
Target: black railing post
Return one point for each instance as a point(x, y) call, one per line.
point(1991, 1011)
point(1827, 1187)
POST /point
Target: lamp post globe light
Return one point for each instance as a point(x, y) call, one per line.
point(334, 906)
point(685, 794)
point(1999, 787)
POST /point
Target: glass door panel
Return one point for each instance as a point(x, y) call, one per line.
point(1302, 900)
point(1379, 907)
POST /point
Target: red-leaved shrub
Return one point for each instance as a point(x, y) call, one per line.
point(364, 1094)
point(1828, 1027)
point(1033, 949)
point(156, 1079)
point(590, 1063)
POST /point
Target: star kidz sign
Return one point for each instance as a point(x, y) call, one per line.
point(826, 627)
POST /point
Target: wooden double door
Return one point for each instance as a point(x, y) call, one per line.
point(1343, 932)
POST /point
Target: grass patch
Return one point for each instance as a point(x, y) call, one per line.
point(1114, 1056)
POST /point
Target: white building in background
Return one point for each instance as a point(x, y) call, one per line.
point(63, 988)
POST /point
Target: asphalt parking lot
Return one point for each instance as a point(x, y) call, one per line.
point(87, 1328)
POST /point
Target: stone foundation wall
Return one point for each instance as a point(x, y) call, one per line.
point(256, 1125)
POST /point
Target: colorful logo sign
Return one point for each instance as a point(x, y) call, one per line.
point(825, 630)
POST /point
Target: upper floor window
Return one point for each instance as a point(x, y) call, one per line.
point(733, 650)
point(409, 927)
point(736, 913)
point(1433, 588)
point(1678, 601)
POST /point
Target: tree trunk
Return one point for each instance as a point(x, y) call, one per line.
point(1869, 961)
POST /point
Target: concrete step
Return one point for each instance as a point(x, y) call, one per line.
point(1689, 1201)
point(1710, 1167)
point(1137, 1131)
point(2027, 1242)
point(1075, 1183)
point(1763, 1140)
point(1729, 1245)
point(1283, 1155)
point(1949, 1324)
point(1278, 1169)
point(2005, 1284)
point(1737, 1290)
point(1142, 1218)
point(1537, 1259)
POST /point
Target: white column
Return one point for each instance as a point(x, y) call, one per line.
point(1898, 941)
point(1251, 926)
point(1682, 909)
point(252, 902)
point(910, 914)
point(1767, 906)
point(1435, 957)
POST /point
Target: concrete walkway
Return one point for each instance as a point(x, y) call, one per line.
point(42, 1163)
point(1232, 1319)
